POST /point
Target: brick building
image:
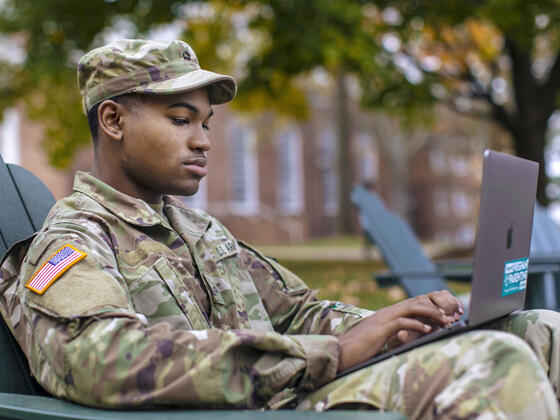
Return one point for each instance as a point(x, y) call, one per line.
point(272, 180)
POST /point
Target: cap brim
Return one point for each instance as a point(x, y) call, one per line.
point(221, 88)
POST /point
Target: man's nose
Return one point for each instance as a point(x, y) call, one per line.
point(199, 140)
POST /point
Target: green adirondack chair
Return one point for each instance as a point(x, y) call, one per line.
point(411, 268)
point(399, 246)
point(543, 289)
point(24, 203)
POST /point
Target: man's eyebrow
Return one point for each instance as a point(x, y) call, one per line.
point(193, 108)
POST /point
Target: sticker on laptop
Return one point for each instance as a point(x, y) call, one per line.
point(515, 276)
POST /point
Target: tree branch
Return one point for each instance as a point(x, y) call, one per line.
point(473, 114)
point(548, 92)
point(499, 113)
point(524, 84)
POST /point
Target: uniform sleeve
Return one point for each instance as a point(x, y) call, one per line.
point(291, 305)
point(86, 343)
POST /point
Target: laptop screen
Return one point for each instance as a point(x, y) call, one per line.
point(505, 222)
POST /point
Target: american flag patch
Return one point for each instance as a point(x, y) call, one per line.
point(54, 267)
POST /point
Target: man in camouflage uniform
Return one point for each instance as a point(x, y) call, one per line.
point(127, 298)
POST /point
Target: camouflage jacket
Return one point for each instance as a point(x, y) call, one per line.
point(164, 310)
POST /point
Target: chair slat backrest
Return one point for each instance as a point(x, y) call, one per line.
point(15, 223)
point(24, 204)
point(397, 243)
point(545, 239)
point(35, 196)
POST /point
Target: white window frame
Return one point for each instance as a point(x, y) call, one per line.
point(10, 136)
point(461, 203)
point(441, 202)
point(368, 158)
point(290, 187)
point(327, 164)
point(460, 166)
point(438, 161)
point(243, 152)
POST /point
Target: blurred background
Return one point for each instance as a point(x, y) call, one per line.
point(401, 96)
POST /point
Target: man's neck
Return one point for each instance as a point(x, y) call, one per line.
point(104, 172)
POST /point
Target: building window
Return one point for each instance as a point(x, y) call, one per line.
point(465, 235)
point(290, 171)
point(10, 137)
point(460, 166)
point(461, 203)
point(441, 203)
point(200, 199)
point(438, 161)
point(326, 162)
point(368, 159)
point(244, 167)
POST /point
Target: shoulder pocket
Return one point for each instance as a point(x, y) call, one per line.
point(83, 290)
point(292, 283)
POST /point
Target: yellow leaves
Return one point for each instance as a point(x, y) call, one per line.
point(449, 35)
point(463, 49)
point(473, 37)
point(486, 38)
point(429, 33)
point(283, 97)
point(56, 103)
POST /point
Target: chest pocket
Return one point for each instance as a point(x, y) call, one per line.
point(237, 303)
point(161, 297)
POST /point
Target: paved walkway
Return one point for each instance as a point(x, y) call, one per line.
point(326, 252)
point(303, 252)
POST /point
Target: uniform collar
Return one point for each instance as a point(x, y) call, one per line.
point(130, 209)
point(191, 224)
point(138, 212)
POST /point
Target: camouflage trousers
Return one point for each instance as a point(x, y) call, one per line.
point(510, 371)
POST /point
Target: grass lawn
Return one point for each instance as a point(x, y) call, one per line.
point(351, 282)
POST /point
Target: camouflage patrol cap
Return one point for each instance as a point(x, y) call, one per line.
point(147, 67)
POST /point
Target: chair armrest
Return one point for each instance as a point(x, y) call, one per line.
point(386, 279)
point(392, 278)
point(459, 274)
point(451, 263)
point(452, 269)
point(34, 407)
point(543, 266)
point(543, 258)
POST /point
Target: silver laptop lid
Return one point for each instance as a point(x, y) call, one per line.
point(505, 222)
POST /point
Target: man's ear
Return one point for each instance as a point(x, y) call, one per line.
point(109, 119)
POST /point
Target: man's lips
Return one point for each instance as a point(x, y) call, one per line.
point(196, 166)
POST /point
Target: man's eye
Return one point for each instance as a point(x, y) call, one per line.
point(206, 127)
point(180, 121)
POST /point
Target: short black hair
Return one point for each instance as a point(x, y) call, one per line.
point(129, 100)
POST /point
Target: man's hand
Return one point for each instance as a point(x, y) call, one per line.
point(397, 324)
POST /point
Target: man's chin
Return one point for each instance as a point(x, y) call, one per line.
point(185, 191)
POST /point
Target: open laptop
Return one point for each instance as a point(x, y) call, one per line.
point(503, 240)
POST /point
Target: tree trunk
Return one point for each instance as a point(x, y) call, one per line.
point(528, 124)
point(529, 143)
point(399, 149)
point(345, 173)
